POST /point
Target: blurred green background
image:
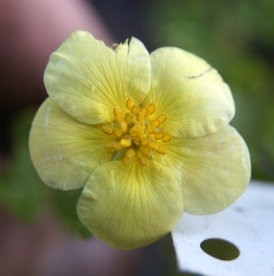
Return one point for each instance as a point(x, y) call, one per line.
point(235, 37)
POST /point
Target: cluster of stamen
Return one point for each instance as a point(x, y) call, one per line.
point(136, 133)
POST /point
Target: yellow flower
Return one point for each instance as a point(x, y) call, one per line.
point(147, 136)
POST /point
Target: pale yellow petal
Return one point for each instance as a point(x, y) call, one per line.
point(137, 76)
point(190, 92)
point(63, 150)
point(88, 79)
point(215, 169)
point(131, 206)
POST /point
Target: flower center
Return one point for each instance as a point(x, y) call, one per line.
point(135, 132)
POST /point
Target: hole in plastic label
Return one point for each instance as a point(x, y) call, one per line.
point(220, 249)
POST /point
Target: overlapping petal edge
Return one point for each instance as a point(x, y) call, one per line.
point(207, 166)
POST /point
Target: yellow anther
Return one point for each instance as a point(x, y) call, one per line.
point(119, 119)
point(155, 123)
point(125, 143)
point(144, 110)
point(109, 145)
point(128, 118)
point(142, 160)
point(135, 110)
point(151, 108)
point(159, 135)
point(117, 146)
point(107, 130)
point(150, 130)
point(130, 103)
point(153, 145)
point(136, 134)
point(145, 142)
point(162, 118)
point(117, 132)
point(167, 138)
point(161, 150)
point(126, 160)
point(117, 111)
point(130, 153)
point(123, 126)
point(146, 151)
point(140, 117)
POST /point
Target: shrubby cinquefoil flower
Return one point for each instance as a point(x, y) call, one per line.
point(147, 136)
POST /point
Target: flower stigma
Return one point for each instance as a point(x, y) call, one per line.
point(135, 132)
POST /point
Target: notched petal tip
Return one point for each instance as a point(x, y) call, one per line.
point(138, 74)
